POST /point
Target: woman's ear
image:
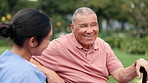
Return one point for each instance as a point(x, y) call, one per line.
point(33, 42)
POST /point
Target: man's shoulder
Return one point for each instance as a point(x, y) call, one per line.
point(100, 41)
point(64, 38)
point(69, 35)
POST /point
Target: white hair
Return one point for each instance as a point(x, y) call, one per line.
point(82, 11)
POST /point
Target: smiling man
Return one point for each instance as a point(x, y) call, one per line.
point(85, 28)
point(83, 57)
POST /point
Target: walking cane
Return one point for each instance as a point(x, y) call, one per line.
point(142, 70)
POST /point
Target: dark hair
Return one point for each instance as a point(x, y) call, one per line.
point(25, 24)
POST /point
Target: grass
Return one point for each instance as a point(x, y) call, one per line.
point(126, 60)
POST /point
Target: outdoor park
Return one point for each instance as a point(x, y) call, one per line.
point(122, 23)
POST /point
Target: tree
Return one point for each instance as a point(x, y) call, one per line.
point(12, 6)
point(140, 16)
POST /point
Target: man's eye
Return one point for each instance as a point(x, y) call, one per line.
point(94, 24)
point(82, 26)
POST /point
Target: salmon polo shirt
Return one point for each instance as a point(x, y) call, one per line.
point(75, 64)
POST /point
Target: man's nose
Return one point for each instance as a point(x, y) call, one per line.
point(89, 29)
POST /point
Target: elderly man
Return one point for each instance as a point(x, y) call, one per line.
point(83, 57)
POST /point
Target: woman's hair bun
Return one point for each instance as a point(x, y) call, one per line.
point(6, 29)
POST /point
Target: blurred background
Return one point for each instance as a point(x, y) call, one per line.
point(122, 23)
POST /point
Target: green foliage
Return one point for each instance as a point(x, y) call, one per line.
point(63, 7)
point(129, 44)
point(5, 42)
point(114, 42)
point(3, 48)
point(62, 10)
point(3, 7)
point(144, 42)
point(140, 14)
point(21, 4)
point(12, 6)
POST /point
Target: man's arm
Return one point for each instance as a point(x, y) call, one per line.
point(124, 75)
point(52, 77)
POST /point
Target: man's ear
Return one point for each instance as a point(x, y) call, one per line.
point(33, 42)
point(72, 28)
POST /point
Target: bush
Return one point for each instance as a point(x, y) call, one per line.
point(110, 41)
point(5, 42)
point(145, 44)
point(136, 47)
point(125, 44)
point(114, 42)
point(129, 44)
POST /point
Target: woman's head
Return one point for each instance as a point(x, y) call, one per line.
point(25, 24)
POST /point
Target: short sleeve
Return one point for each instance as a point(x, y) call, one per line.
point(112, 61)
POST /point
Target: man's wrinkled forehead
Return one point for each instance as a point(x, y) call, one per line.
point(85, 18)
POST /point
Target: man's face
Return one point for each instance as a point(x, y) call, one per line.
point(86, 29)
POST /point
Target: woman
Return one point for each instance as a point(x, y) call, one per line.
point(30, 31)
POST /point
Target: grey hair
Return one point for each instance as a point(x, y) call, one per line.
point(82, 11)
